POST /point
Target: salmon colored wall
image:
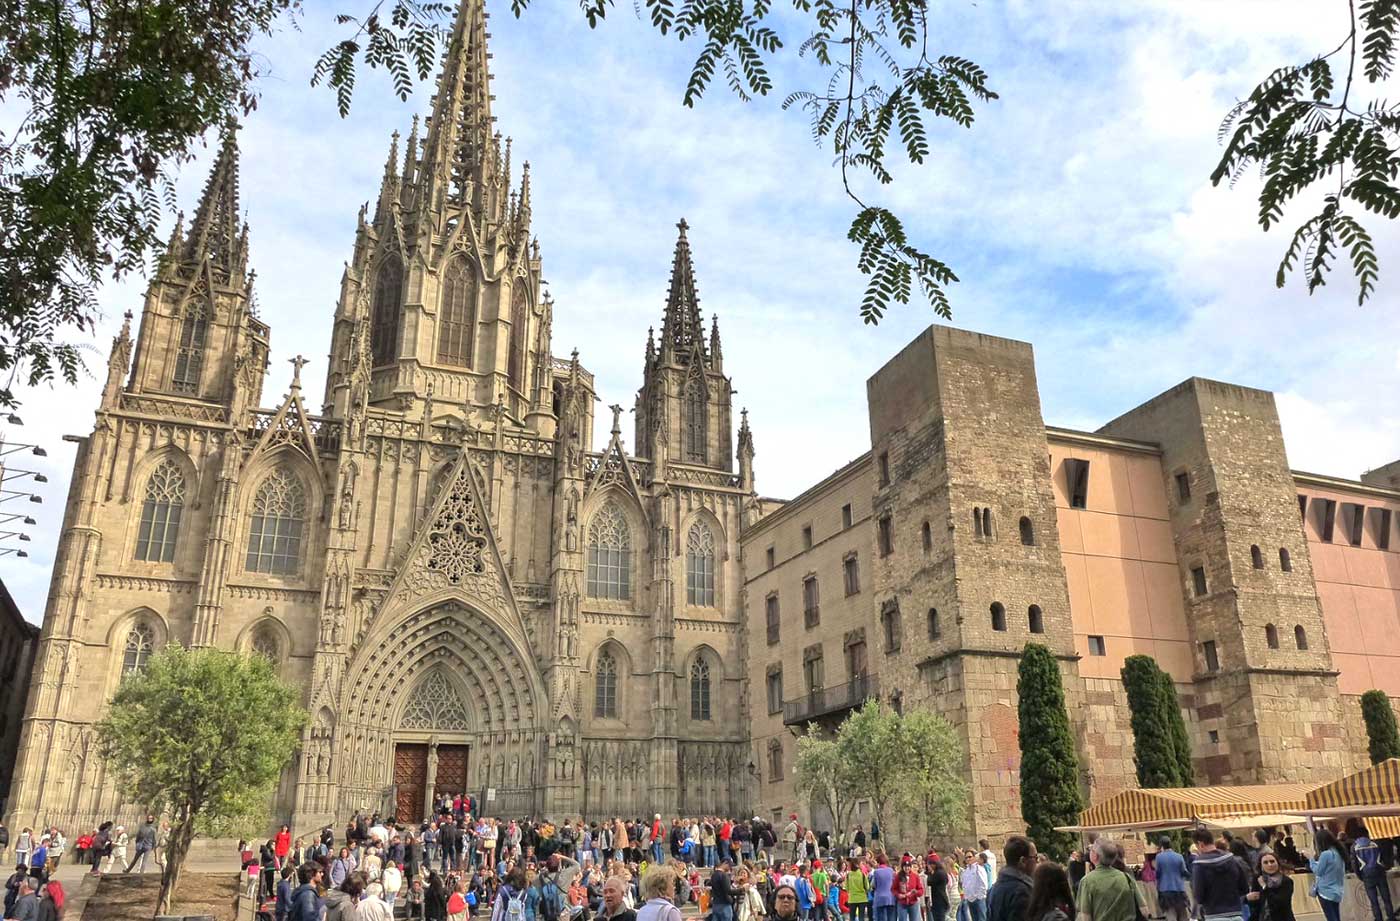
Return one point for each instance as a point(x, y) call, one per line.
point(1359, 588)
point(1124, 584)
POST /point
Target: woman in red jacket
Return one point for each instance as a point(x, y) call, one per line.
point(908, 891)
point(282, 846)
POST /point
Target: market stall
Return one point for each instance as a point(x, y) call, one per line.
point(1372, 795)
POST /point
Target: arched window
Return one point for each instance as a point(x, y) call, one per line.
point(384, 314)
point(610, 555)
point(695, 430)
point(977, 522)
point(266, 644)
point(519, 315)
point(699, 690)
point(1284, 561)
point(605, 687)
point(987, 523)
point(457, 314)
point(436, 704)
point(140, 643)
point(927, 532)
point(700, 566)
point(1256, 556)
point(1300, 637)
point(1035, 619)
point(160, 513)
point(279, 518)
point(1027, 532)
point(934, 629)
point(189, 357)
point(998, 616)
point(1271, 635)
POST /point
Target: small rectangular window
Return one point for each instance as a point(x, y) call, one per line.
point(1183, 486)
point(771, 612)
point(886, 534)
point(1214, 736)
point(934, 630)
point(807, 537)
point(1077, 481)
point(845, 516)
point(811, 602)
point(1212, 659)
point(775, 690)
point(1198, 580)
point(884, 469)
point(850, 571)
point(855, 660)
point(890, 623)
point(1383, 528)
point(1356, 522)
point(812, 673)
point(771, 558)
point(1302, 506)
point(1328, 515)
point(1096, 646)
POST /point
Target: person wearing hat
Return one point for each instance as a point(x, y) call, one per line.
point(792, 837)
point(908, 890)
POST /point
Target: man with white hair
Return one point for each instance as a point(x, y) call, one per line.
point(1108, 893)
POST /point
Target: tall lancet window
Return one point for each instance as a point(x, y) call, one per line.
point(279, 519)
point(700, 565)
point(189, 356)
point(457, 315)
point(610, 555)
point(160, 513)
point(519, 313)
point(695, 418)
point(384, 317)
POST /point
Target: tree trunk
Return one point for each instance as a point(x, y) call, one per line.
point(175, 852)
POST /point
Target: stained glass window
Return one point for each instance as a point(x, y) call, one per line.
point(700, 565)
point(160, 513)
point(695, 419)
point(457, 315)
point(140, 643)
point(700, 690)
point(610, 555)
point(605, 687)
point(279, 518)
point(384, 316)
point(189, 356)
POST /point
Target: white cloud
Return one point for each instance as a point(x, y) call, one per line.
point(1078, 212)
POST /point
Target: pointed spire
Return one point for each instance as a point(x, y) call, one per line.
point(745, 452)
point(716, 356)
point(410, 153)
point(522, 217)
point(389, 184)
point(682, 330)
point(651, 346)
point(119, 362)
point(215, 233)
point(172, 249)
point(459, 151)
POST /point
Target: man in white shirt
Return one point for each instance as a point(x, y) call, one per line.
point(974, 889)
point(991, 856)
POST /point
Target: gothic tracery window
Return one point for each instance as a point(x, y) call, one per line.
point(436, 704)
point(279, 519)
point(518, 319)
point(695, 418)
point(700, 690)
point(140, 643)
point(457, 315)
point(700, 565)
point(384, 314)
point(160, 513)
point(610, 555)
point(605, 687)
point(189, 355)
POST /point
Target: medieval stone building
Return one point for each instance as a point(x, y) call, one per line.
point(468, 596)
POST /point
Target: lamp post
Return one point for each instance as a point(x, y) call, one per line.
point(8, 493)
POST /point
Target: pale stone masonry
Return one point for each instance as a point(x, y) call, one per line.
point(1177, 530)
point(468, 597)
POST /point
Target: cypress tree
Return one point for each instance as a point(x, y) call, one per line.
point(1050, 794)
point(1154, 749)
point(1380, 726)
point(1181, 742)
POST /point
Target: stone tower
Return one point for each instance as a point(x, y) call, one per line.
point(1272, 701)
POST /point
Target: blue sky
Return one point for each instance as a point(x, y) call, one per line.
point(1078, 213)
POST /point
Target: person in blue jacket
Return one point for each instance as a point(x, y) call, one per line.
point(1329, 872)
point(1371, 871)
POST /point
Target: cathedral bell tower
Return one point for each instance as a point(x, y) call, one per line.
point(443, 290)
point(683, 409)
point(199, 340)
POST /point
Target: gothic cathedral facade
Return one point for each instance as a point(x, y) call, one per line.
point(468, 597)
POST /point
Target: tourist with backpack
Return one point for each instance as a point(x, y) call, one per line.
point(509, 904)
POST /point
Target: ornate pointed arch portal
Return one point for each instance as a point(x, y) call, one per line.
point(425, 769)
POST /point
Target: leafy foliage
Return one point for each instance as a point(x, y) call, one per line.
point(1300, 129)
point(1176, 723)
point(1050, 793)
point(913, 761)
point(405, 43)
point(179, 737)
point(1151, 701)
point(1381, 734)
point(109, 96)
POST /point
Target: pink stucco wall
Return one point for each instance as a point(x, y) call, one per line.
point(1120, 561)
point(1359, 588)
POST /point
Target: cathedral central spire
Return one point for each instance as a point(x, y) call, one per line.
point(461, 154)
point(682, 330)
point(217, 233)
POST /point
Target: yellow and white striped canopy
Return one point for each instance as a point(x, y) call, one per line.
point(1196, 805)
point(1376, 787)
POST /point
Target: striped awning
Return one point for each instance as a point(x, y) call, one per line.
point(1377, 785)
point(1196, 804)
